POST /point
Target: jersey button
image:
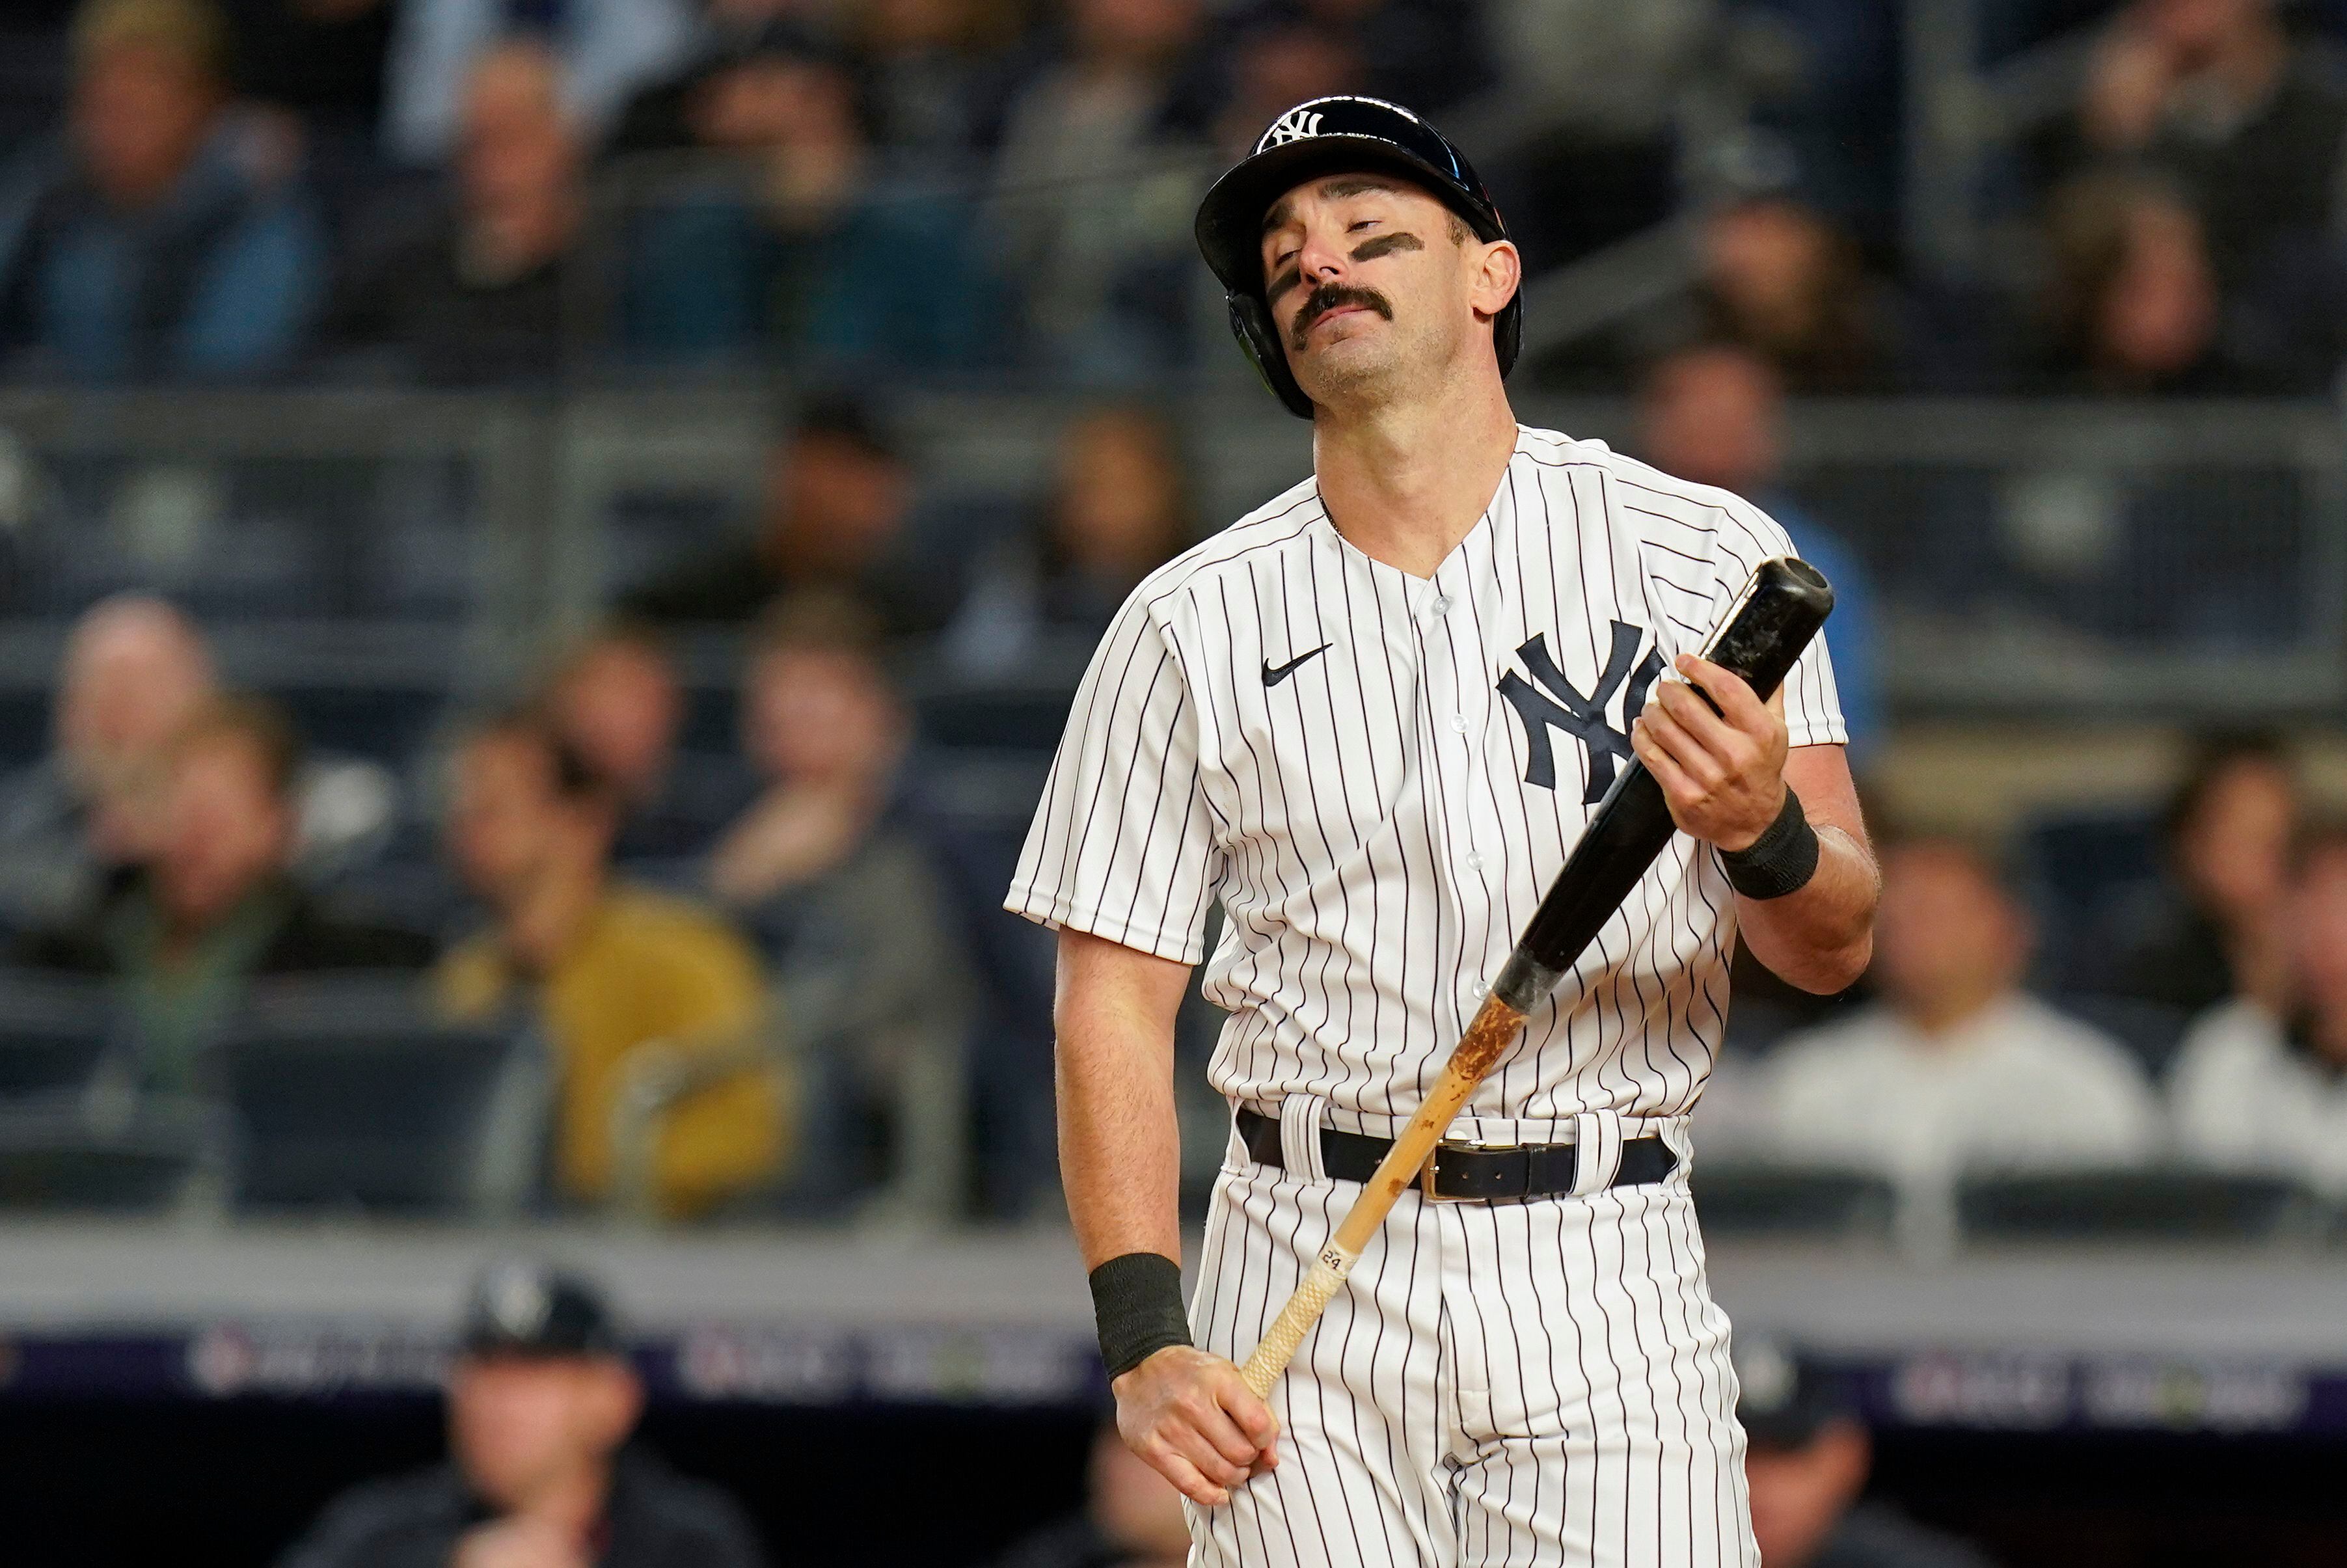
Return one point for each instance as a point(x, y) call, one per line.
point(1441, 605)
point(1459, 723)
point(1475, 860)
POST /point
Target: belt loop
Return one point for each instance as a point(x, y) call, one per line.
point(1300, 1122)
point(1597, 1151)
point(1679, 1140)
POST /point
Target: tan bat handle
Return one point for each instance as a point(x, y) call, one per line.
point(1492, 1031)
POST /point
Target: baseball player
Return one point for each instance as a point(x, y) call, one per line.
point(1371, 718)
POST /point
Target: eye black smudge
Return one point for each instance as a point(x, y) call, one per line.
point(1386, 245)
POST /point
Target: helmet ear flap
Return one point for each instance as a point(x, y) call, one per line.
point(1252, 324)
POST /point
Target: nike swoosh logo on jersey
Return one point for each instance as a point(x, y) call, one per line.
point(1274, 676)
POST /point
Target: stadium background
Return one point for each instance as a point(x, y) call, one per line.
point(401, 345)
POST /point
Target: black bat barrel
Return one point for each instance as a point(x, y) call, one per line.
point(1781, 608)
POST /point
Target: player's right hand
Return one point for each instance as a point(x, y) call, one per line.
point(1189, 1417)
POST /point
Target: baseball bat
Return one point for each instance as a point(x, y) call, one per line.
point(1779, 609)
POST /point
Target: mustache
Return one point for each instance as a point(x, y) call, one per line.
point(1327, 297)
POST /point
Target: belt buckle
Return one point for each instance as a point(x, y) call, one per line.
point(1427, 1173)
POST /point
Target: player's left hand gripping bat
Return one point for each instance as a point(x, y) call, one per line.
point(1770, 623)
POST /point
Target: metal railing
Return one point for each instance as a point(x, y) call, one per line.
point(2171, 559)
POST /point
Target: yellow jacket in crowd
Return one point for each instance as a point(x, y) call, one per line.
point(644, 968)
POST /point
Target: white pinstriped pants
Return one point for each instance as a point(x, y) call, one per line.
point(1521, 1383)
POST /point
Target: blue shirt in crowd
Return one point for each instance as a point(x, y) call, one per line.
point(1850, 629)
point(221, 277)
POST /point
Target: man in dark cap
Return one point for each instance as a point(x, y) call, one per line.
point(541, 1400)
point(838, 496)
point(1807, 1462)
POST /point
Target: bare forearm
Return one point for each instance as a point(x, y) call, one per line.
point(1185, 1412)
point(1821, 937)
point(1119, 1152)
point(1120, 1144)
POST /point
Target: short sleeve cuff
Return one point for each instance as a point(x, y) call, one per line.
point(1820, 731)
point(1055, 909)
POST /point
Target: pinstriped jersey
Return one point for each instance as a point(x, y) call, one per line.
point(1379, 775)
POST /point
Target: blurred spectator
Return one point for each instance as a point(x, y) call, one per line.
point(1119, 509)
point(1102, 165)
point(933, 67)
point(837, 494)
point(1783, 281)
point(619, 703)
point(1132, 1518)
point(2132, 305)
point(1598, 87)
point(159, 238)
point(2216, 929)
point(1955, 1067)
point(829, 870)
point(323, 60)
point(1715, 413)
point(1826, 80)
point(134, 672)
point(797, 245)
point(621, 983)
point(1281, 56)
point(1613, 71)
point(1806, 1471)
point(472, 291)
point(215, 907)
point(604, 49)
point(660, 118)
point(2262, 1086)
point(2215, 95)
point(1425, 54)
point(542, 1401)
point(1774, 276)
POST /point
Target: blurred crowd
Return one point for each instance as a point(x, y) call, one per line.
point(701, 871)
point(484, 192)
point(756, 958)
point(2185, 1011)
point(749, 960)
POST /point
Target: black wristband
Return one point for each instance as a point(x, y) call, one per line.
point(1781, 860)
point(1137, 1305)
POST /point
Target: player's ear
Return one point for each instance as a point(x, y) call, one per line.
point(1498, 273)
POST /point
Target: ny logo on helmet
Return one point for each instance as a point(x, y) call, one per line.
point(1294, 126)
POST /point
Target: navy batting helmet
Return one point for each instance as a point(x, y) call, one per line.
point(1341, 134)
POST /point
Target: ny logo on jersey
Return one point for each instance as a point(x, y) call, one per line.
point(1294, 126)
point(1577, 713)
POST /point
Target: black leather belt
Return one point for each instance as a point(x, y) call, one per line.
point(1461, 1173)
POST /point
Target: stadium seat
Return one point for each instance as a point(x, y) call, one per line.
point(2079, 871)
point(1016, 716)
point(2163, 1204)
point(25, 725)
point(383, 724)
point(53, 1031)
point(1766, 1199)
point(346, 1096)
point(56, 1159)
point(2150, 1032)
